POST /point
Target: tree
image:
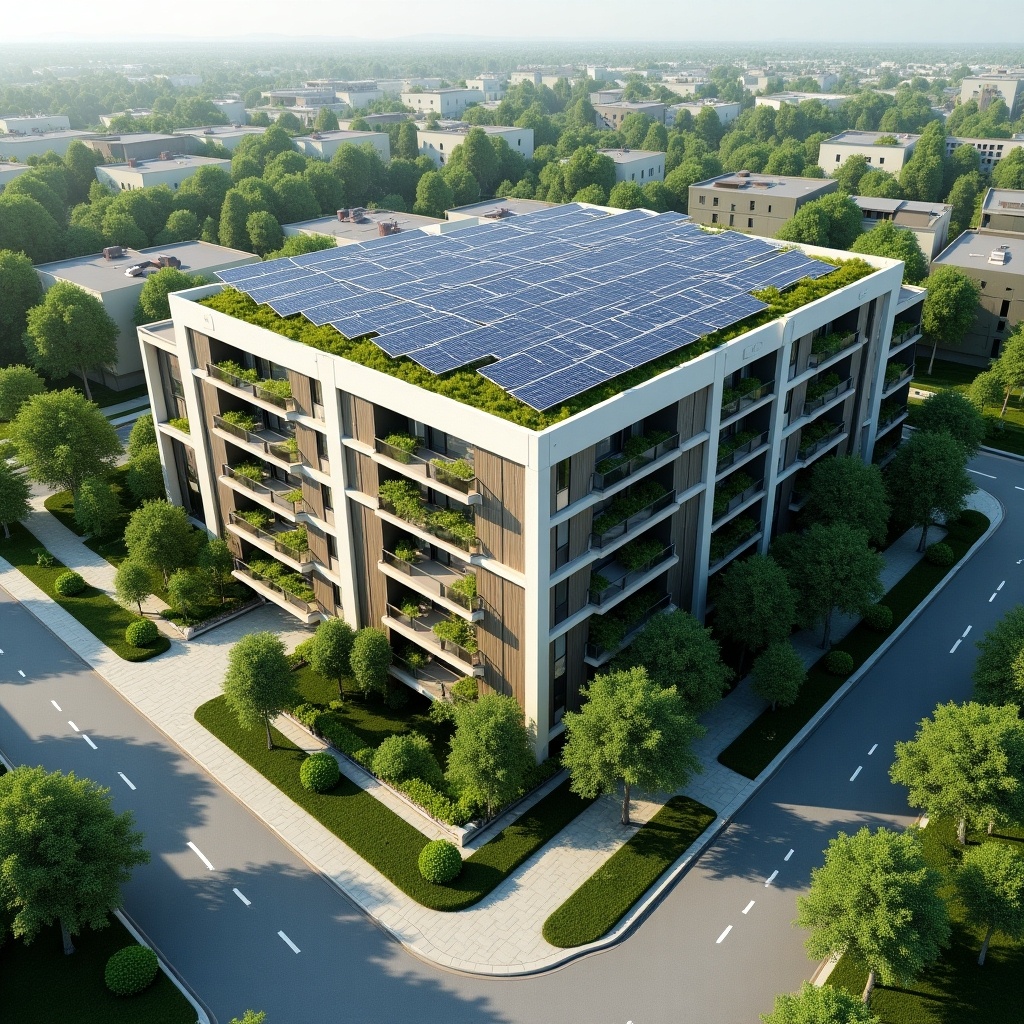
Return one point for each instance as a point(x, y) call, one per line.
point(64, 853)
point(847, 490)
point(490, 751)
point(70, 330)
point(990, 885)
point(294, 200)
point(299, 245)
point(329, 650)
point(1009, 367)
point(965, 762)
point(929, 481)
point(952, 413)
point(756, 606)
point(885, 239)
point(949, 307)
point(627, 195)
point(986, 389)
point(476, 154)
point(587, 167)
point(259, 684)
point(708, 127)
point(325, 185)
point(181, 226)
point(996, 680)
point(850, 172)
point(408, 146)
point(250, 1017)
point(203, 192)
point(133, 583)
point(963, 195)
point(188, 589)
point(17, 385)
point(265, 234)
point(62, 438)
point(19, 292)
point(778, 673)
point(433, 196)
point(26, 227)
point(876, 899)
point(881, 185)
point(326, 120)
point(832, 569)
point(819, 1005)
point(1009, 172)
point(463, 185)
point(833, 221)
point(96, 506)
point(370, 659)
point(142, 435)
point(234, 214)
point(159, 534)
point(676, 650)
point(218, 561)
point(14, 494)
point(153, 301)
point(633, 731)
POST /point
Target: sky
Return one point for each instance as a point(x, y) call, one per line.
point(884, 22)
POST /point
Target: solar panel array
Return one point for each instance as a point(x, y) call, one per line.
point(554, 302)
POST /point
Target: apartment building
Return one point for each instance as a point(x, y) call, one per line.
point(354, 94)
point(446, 102)
point(233, 108)
point(20, 147)
point(492, 86)
point(778, 100)
point(757, 203)
point(171, 169)
point(639, 165)
point(439, 143)
point(877, 148)
point(1002, 210)
point(226, 135)
point(990, 151)
point(983, 89)
point(611, 115)
point(323, 145)
point(28, 124)
point(928, 221)
point(140, 145)
point(576, 525)
point(727, 112)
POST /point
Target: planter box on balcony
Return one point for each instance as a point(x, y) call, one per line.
point(602, 481)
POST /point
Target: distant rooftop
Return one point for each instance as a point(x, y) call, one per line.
point(462, 128)
point(66, 133)
point(221, 130)
point(926, 213)
point(626, 156)
point(133, 137)
point(1006, 202)
point(632, 104)
point(337, 135)
point(974, 249)
point(855, 138)
point(498, 209)
point(365, 229)
point(176, 160)
point(777, 185)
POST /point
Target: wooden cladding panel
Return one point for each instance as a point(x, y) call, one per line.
point(578, 590)
point(500, 635)
point(302, 391)
point(684, 536)
point(581, 470)
point(305, 438)
point(688, 469)
point(499, 519)
point(371, 584)
point(313, 497)
point(362, 472)
point(358, 418)
point(580, 528)
point(318, 543)
point(201, 349)
point(513, 505)
point(693, 414)
point(323, 593)
point(575, 666)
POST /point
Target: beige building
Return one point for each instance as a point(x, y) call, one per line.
point(496, 209)
point(140, 146)
point(20, 147)
point(778, 100)
point(727, 112)
point(983, 89)
point(875, 147)
point(492, 86)
point(445, 102)
point(323, 145)
point(611, 115)
point(34, 124)
point(928, 221)
point(756, 203)
point(171, 171)
point(8, 172)
point(990, 151)
point(639, 165)
point(1002, 210)
point(439, 143)
point(226, 135)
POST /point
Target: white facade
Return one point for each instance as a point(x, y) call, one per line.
point(727, 112)
point(439, 143)
point(639, 165)
point(225, 135)
point(23, 124)
point(928, 221)
point(232, 109)
point(21, 147)
point(983, 89)
point(146, 173)
point(891, 158)
point(8, 172)
point(778, 100)
point(990, 151)
point(323, 145)
point(108, 119)
point(492, 86)
point(446, 102)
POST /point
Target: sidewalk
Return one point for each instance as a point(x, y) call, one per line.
point(502, 934)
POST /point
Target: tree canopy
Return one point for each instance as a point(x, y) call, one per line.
point(996, 679)
point(833, 221)
point(824, 1004)
point(259, 683)
point(20, 290)
point(153, 303)
point(755, 606)
point(848, 490)
point(159, 534)
point(953, 413)
point(329, 648)
point(14, 495)
point(949, 307)
point(886, 239)
point(990, 885)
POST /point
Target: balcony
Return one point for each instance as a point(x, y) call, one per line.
point(293, 552)
point(812, 443)
point(616, 578)
point(280, 591)
point(433, 678)
point(252, 388)
point(420, 630)
point(903, 335)
point(428, 519)
point(620, 467)
point(614, 531)
point(729, 454)
point(895, 381)
point(890, 417)
point(730, 540)
point(819, 401)
point(745, 400)
point(724, 505)
point(453, 476)
point(260, 439)
point(434, 580)
point(597, 654)
point(267, 490)
point(829, 346)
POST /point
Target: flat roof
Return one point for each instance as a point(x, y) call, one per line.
point(102, 275)
point(855, 138)
point(365, 230)
point(1007, 202)
point(221, 129)
point(63, 133)
point(434, 92)
point(632, 104)
point(625, 156)
point(973, 248)
point(555, 302)
point(155, 164)
point(777, 185)
point(515, 207)
point(338, 135)
point(131, 137)
point(897, 207)
point(789, 95)
point(464, 129)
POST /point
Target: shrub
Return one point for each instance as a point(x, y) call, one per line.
point(457, 470)
point(878, 617)
point(404, 445)
point(131, 970)
point(839, 663)
point(69, 583)
point(339, 735)
point(319, 772)
point(940, 554)
point(141, 633)
point(43, 558)
point(397, 697)
point(465, 689)
point(440, 862)
point(407, 756)
point(308, 715)
point(437, 805)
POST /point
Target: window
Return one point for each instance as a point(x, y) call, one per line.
point(561, 533)
point(732, 207)
point(983, 283)
point(558, 677)
point(769, 207)
point(752, 204)
point(714, 201)
point(632, 177)
point(838, 158)
point(1001, 326)
point(559, 602)
point(325, 493)
point(701, 200)
point(641, 174)
point(714, 218)
point(1004, 308)
point(750, 222)
point(881, 159)
point(561, 489)
point(332, 546)
point(732, 219)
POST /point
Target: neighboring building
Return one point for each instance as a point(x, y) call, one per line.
point(355, 94)
point(319, 96)
point(640, 165)
point(881, 156)
point(603, 96)
point(306, 115)
point(683, 86)
point(544, 76)
point(727, 112)
point(8, 172)
point(108, 119)
point(983, 89)
point(140, 146)
point(34, 124)
point(496, 209)
point(396, 86)
point(446, 102)
point(492, 86)
point(928, 221)
point(778, 100)
point(232, 108)
point(359, 225)
point(119, 293)
point(990, 151)
point(546, 558)
point(1002, 210)
point(21, 147)
point(323, 145)
point(756, 203)
point(439, 143)
point(611, 115)
point(598, 73)
point(226, 135)
point(518, 77)
point(171, 171)
point(393, 117)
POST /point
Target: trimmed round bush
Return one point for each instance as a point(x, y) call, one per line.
point(879, 618)
point(407, 756)
point(141, 633)
point(69, 583)
point(131, 970)
point(940, 554)
point(839, 663)
point(319, 772)
point(440, 862)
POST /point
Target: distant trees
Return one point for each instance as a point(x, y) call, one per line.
point(153, 301)
point(833, 221)
point(885, 239)
point(20, 290)
point(990, 886)
point(952, 413)
point(999, 669)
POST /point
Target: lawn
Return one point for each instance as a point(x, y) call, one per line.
point(100, 614)
point(101, 394)
point(945, 373)
point(752, 751)
point(599, 903)
point(40, 985)
point(955, 990)
point(379, 836)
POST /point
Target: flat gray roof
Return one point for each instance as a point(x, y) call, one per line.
point(854, 138)
point(340, 135)
point(131, 137)
point(901, 206)
point(625, 156)
point(362, 232)
point(102, 275)
point(1007, 202)
point(777, 185)
point(221, 129)
point(972, 249)
point(35, 136)
point(177, 160)
point(514, 206)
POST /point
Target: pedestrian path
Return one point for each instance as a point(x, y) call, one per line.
point(501, 935)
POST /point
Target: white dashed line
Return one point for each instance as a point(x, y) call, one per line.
point(992, 598)
point(746, 909)
point(978, 472)
point(199, 853)
point(248, 903)
point(56, 705)
point(966, 631)
point(1015, 487)
point(952, 649)
point(872, 750)
point(89, 741)
point(718, 941)
point(296, 949)
point(788, 855)
point(857, 772)
point(73, 726)
point(771, 878)
point(1000, 587)
point(20, 673)
point(128, 782)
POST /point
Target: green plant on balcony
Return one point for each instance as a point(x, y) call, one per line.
point(295, 540)
point(730, 536)
point(290, 582)
point(727, 445)
point(250, 471)
point(628, 504)
point(458, 632)
point(243, 420)
point(893, 372)
point(255, 517)
point(403, 445)
point(639, 553)
point(732, 485)
point(455, 523)
point(813, 433)
point(404, 499)
point(410, 608)
point(407, 551)
point(829, 344)
point(606, 465)
point(817, 388)
point(274, 386)
point(293, 496)
point(465, 587)
point(289, 444)
point(247, 374)
point(890, 410)
point(456, 470)
point(415, 658)
point(746, 386)
point(635, 609)
point(606, 631)
point(599, 583)
point(179, 423)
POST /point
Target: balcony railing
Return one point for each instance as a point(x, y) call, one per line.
point(423, 626)
point(270, 490)
point(833, 348)
point(600, 540)
point(890, 419)
point(288, 404)
point(738, 499)
point(892, 385)
point(904, 335)
point(733, 407)
point(718, 558)
point(466, 544)
point(268, 441)
point(434, 468)
point(814, 404)
point(804, 453)
point(301, 555)
point(306, 607)
point(433, 674)
point(602, 481)
point(616, 587)
point(725, 461)
point(430, 576)
point(596, 652)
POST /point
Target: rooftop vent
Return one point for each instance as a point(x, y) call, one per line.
point(113, 252)
point(165, 154)
point(498, 214)
point(743, 174)
point(1000, 255)
point(388, 227)
point(132, 162)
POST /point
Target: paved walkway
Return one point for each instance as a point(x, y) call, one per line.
point(502, 934)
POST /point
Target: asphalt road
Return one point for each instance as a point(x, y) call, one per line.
point(716, 950)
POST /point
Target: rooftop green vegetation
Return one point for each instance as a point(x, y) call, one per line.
point(467, 386)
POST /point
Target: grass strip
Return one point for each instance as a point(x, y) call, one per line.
point(383, 839)
point(954, 990)
point(99, 613)
point(753, 750)
point(599, 903)
point(39, 984)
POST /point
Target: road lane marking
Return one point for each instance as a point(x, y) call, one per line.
point(788, 855)
point(73, 726)
point(718, 941)
point(979, 473)
point(248, 903)
point(771, 878)
point(128, 782)
point(199, 853)
point(89, 741)
point(856, 773)
point(952, 649)
point(56, 705)
point(746, 909)
point(992, 598)
point(1015, 487)
point(297, 950)
point(20, 673)
point(1000, 587)
point(965, 632)
point(872, 750)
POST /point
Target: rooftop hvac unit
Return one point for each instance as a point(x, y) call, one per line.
point(343, 215)
point(165, 154)
point(743, 174)
point(168, 261)
point(113, 252)
point(388, 227)
point(132, 162)
point(209, 131)
point(357, 215)
point(1000, 255)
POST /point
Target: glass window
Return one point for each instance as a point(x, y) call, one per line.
point(325, 493)
point(561, 553)
point(561, 490)
point(700, 200)
point(559, 602)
